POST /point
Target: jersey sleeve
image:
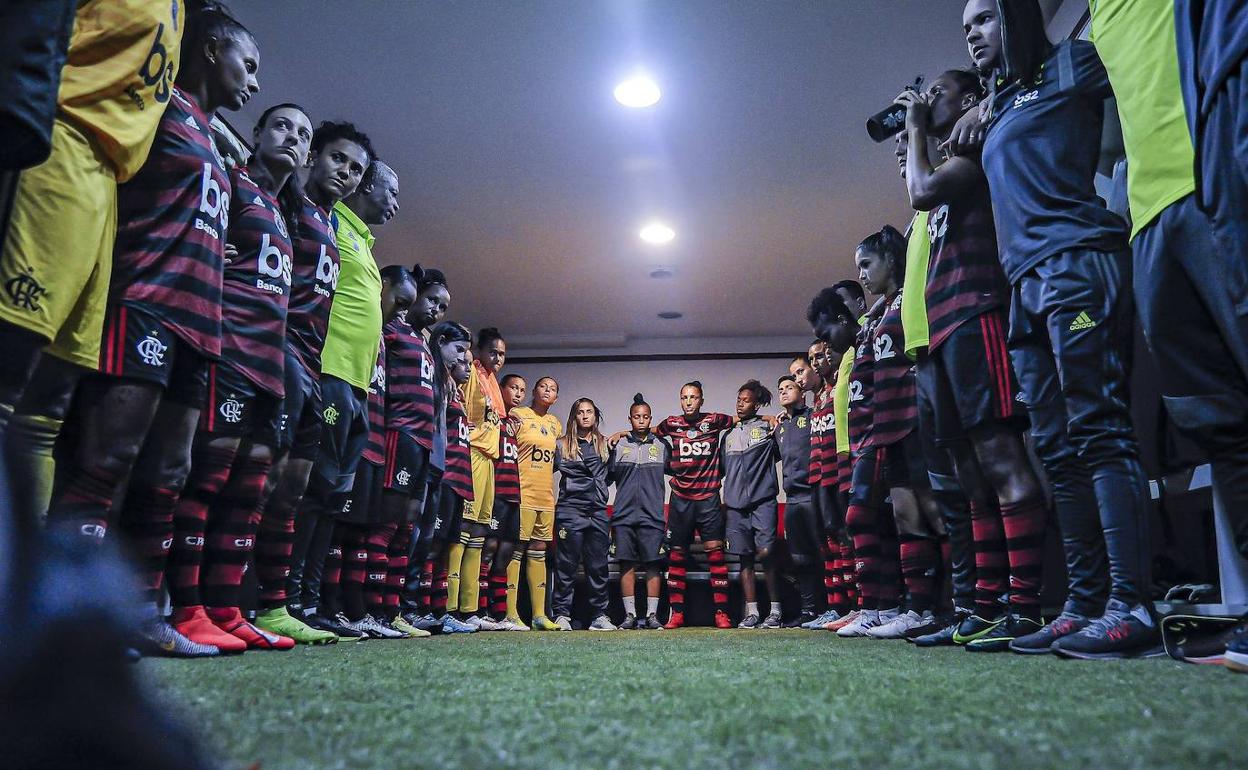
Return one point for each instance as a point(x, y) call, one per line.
point(721, 421)
point(662, 430)
point(1087, 69)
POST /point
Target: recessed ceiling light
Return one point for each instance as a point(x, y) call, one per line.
point(638, 92)
point(657, 232)
point(670, 315)
point(662, 272)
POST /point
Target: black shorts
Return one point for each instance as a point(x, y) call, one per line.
point(750, 530)
point(505, 520)
point(685, 515)
point(344, 432)
point(904, 464)
point(869, 486)
point(449, 517)
point(640, 543)
point(236, 407)
point(299, 419)
point(803, 533)
point(138, 345)
point(363, 506)
point(407, 465)
point(968, 383)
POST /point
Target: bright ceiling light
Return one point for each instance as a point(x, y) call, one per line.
point(657, 232)
point(637, 92)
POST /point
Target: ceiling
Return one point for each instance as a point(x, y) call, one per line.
point(526, 182)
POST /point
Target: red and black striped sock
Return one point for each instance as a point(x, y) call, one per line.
point(1023, 523)
point(437, 601)
point(676, 580)
point(396, 568)
point(350, 541)
point(719, 578)
point(992, 573)
point(210, 470)
point(150, 513)
point(426, 587)
point(483, 587)
point(377, 546)
point(919, 555)
point(85, 502)
point(849, 576)
point(498, 593)
point(892, 587)
point(832, 575)
point(275, 541)
point(232, 532)
point(861, 521)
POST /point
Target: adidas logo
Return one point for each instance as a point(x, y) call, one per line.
point(190, 121)
point(1082, 321)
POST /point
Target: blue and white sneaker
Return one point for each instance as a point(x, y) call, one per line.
point(451, 625)
point(818, 623)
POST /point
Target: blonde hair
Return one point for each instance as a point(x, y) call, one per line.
point(570, 443)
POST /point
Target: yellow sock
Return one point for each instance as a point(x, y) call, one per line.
point(29, 441)
point(454, 557)
point(513, 584)
point(470, 589)
point(535, 570)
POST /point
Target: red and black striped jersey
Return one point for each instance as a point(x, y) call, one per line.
point(313, 279)
point(375, 449)
point(458, 474)
point(506, 468)
point(861, 387)
point(895, 410)
point(964, 276)
point(827, 443)
point(820, 433)
point(694, 463)
point(409, 375)
point(172, 219)
point(256, 287)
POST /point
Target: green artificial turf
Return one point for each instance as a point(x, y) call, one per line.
point(701, 699)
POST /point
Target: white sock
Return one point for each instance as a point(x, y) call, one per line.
point(652, 605)
point(775, 610)
point(751, 608)
point(630, 605)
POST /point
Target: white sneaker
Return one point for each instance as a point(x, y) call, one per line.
point(866, 619)
point(484, 624)
point(564, 623)
point(818, 623)
point(369, 625)
point(602, 623)
point(513, 624)
point(898, 626)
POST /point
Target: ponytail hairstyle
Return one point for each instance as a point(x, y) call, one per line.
point(426, 277)
point(1024, 44)
point(442, 334)
point(570, 443)
point(693, 384)
point(891, 245)
point(762, 396)
point(638, 400)
point(290, 197)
